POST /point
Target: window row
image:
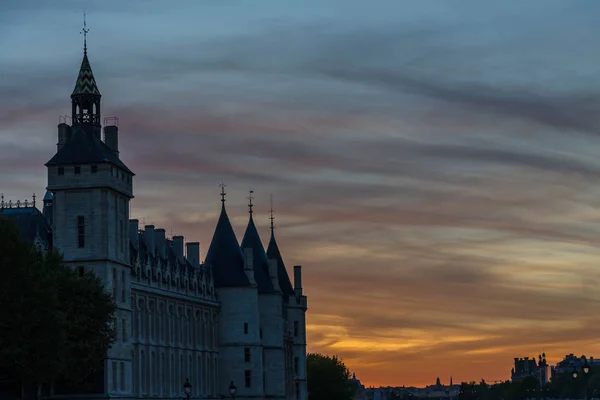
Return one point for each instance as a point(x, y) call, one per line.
point(163, 374)
point(114, 172)
point(169, 328)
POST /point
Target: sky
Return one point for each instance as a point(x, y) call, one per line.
point(433, 165)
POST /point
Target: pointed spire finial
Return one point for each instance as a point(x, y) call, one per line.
point(272, 218)
point(250, 205)
point(85, 30)
point(222, 186)
point(33, 200)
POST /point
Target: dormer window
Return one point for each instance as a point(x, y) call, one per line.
point(61, 170)
point(77, 170)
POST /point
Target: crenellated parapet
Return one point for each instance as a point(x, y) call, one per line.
point(158, 262)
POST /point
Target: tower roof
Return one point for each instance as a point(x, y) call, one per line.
point(252, 241)
point(84, 148)
point(224, 255)
point(273, 253)
point(86, 83)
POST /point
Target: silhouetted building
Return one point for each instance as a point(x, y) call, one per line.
point(571, 362)
point(529, 367)
point(236, 317)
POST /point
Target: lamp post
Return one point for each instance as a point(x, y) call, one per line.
point(586, 371)
point(187, 388)
point(232, 390)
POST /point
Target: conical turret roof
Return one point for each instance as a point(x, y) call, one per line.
point(273, 253)
point(224, 255)
point(86, 83)
point(252, 241)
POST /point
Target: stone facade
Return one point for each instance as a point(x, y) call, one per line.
point(233, 319)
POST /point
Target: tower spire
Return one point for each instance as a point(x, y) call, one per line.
point(250, 205)
point(85, 30)
point(222, 185)
point(272, 218)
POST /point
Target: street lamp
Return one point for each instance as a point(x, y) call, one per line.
point(586, 368)
point(187, 388)
point(232, 390)
point(574, 373)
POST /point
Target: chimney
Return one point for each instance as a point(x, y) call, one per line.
point(111, 138)
point(134, 237)
point(159, 235)
point(178, 247)
point(298, 280)
point(273, 274)
point(64, 135)
point(149, 230)
point(192, 251)
point(249, 265)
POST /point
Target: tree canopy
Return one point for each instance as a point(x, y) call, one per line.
point(328, 378)
point(54, 323)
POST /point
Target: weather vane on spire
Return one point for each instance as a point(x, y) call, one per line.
point(85, 30)
point(222, 186)
point(272, 218)
point(250, 201)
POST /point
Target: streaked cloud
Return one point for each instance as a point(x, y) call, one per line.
point(434, 165)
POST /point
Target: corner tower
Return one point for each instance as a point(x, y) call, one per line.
point(240, 352)
point(91, 189)
point(270, 311)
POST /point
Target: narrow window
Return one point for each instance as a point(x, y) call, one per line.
point(81, 231)
point(297, 390)
point(61, 170)
point(247, 354)
point(248, 378)
point(121, 238)
point(260, 333)
point(94, 169)
point(114, 375)
point(124, 330)
point(81, 271)
point(123, 286)
point(114, 283)
point(245, 328)
point(77, 170)
point(296, 363)
point(122, 380)
point(295, 328)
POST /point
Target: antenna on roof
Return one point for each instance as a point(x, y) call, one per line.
point(222, 185)
point(250, 205)
point(272, 218)
point(85, 31)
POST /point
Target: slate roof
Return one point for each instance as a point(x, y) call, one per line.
point(261, 265)
point(273, 253)
point(85, 148)
point(30, 222)
point(86, 83)
point(225, 256)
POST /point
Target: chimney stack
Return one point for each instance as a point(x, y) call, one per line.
point(160, 236)
point(134, 237)
point(178, 247)
point(192, 251)
point(149, 233)
point(64, 135)
point(111, 138)
point(273, 274)
point(249, 265)
point(298, 280)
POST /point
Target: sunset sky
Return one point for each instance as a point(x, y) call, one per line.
point(434, 164)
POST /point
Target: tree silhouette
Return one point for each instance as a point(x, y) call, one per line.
point(328, 378)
